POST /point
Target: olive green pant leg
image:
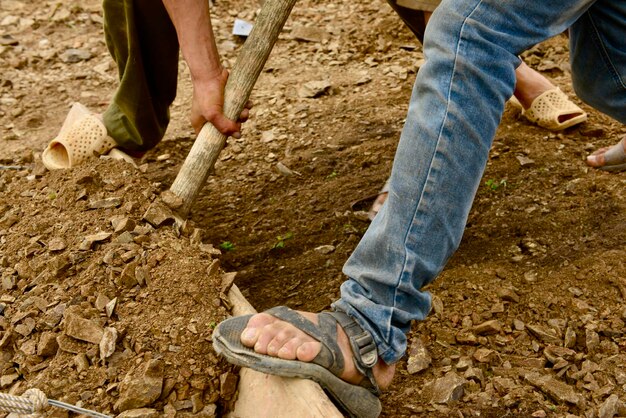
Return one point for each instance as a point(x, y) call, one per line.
point(142, 40)
point(414, 19)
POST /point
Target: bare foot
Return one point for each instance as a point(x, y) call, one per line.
point(378, 203)
point(273, 337)
point(598, 158)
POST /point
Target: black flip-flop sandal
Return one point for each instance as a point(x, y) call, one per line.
point(359, 401)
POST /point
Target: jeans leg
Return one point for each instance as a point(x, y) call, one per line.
point(471, 49)
point(598, 57)
point(143, 42)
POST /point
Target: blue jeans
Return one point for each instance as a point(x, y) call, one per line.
point(471, 49)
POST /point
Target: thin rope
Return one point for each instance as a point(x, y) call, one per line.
point(33, 401)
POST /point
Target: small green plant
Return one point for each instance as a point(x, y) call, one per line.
point(52, 195)
point(331, 175)
point(227, 246)
point(494, 185)
point(212, 324)
point(280, 240)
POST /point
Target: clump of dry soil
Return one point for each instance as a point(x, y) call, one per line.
point(100, 307)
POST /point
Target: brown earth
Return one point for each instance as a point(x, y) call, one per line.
point(528, 316)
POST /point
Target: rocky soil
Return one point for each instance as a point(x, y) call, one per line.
point(105, 304)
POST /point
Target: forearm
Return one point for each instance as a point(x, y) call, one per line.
point(192, 21)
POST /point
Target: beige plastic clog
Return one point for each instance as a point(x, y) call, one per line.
point(82, 136)
point(554, 111)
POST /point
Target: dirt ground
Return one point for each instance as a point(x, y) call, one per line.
point(528, 318)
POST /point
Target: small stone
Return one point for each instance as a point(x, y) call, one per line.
point(488, 327)
point(445, 389)
point(26, 327)
point(228, 279)
point(81, 361)
point(309, 33)
point(570, 338)
point(437, 305)
point(475, 374)
point(122, 224)
point(47, 346)
point(554, 353)
point(529, 362)
point(127, 277)
point(90, 240)
point(325, 249)
point(9, 282)
point(518, 325)
point(503, 385)
point(184, 404)
point(8, 379)
point(466, 337)
point(508, 295)
point(592, 340)
point(159, 215)
point(140, 413)
point(610, 407)
point(56, 244)
point(313, 89)
point(464, 363)
point(283, 169)
point(140, 389)
point(555, 389)
point(546, 335)
point(539, 414)
point(209, 411)
point(83, 329)
point(74, 55)
point(142, 275)
point(110, 307)
point(8, 40)
point(109, 202)
point(419, 358)
point(107, 343)
point(525, 161)
point(196, 402)
point(484, 355)
point(172, 200)
point(101, 301)
point(228, 385)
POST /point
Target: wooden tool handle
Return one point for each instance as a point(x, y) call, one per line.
point(250, 61)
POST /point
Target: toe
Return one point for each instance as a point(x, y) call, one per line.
point(279, 340)
point(289, 349)
point(251, 334)
point(596, 159)
point(307, 351)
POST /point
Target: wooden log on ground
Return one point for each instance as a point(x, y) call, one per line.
point(210, 142)
point(266, 396)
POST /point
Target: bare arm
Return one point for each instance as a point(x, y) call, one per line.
point(192, 21)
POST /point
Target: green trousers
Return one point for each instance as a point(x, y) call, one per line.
point(142, 40)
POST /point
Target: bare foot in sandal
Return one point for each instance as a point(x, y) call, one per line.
point(330, 348)
point(609, 158)
point(271, 336)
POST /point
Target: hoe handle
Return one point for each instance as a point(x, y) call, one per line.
point(250, 61)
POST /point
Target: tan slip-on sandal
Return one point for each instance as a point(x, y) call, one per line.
point(549, 108)
point(82, 136)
